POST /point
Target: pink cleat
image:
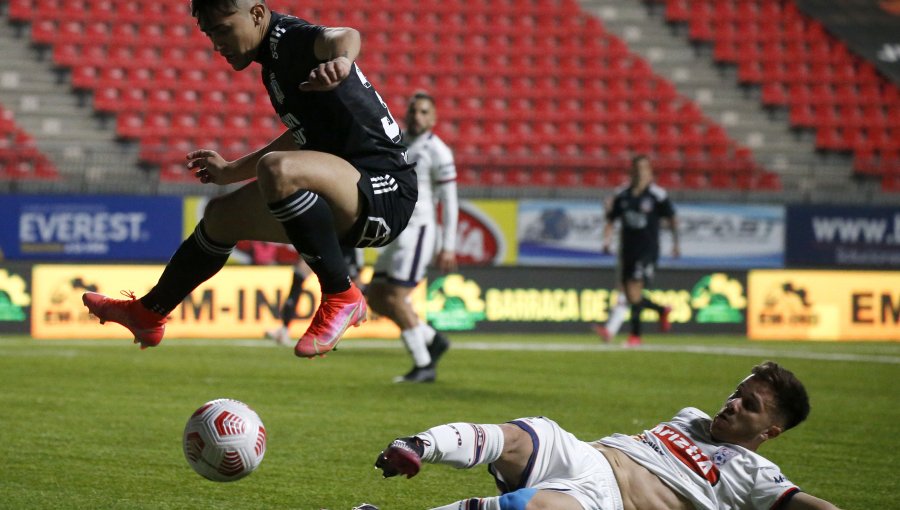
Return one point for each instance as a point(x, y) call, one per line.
point(402, 457)
point(147, 327)
point(633, 341)
point(664, 325)
point(336, 313)
point(602, 332)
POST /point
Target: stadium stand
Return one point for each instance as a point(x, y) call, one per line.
point(509, 120)
point(19, 157)
point(804, 69)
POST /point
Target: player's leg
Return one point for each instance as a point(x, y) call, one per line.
point(314, 196)
point(227, 219)
point(281, 335)
point(520, 453)
point(662, 310)
point(460, 445)
point(399, 269)
point(289, 310)
point(630, 271)
point(617, 316)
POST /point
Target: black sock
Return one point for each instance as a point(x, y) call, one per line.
point(636, 319)
point(309, 224)
point(196, 260)
point(289, 310)
point(646, 303)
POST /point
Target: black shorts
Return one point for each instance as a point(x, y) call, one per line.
point(637, 268)
point(389, 200)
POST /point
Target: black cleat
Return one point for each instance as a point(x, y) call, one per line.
point(401, 457)
point(365, 506)
point(438, 347)
point(418, 375)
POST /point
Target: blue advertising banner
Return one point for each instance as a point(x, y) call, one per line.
point(570, 233)
point(843, 236)
point(74, 228)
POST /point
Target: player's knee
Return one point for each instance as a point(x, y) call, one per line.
point(271, 167)
point(517, 500)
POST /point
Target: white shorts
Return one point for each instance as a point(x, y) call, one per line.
point(563, 463)
point(404, 261)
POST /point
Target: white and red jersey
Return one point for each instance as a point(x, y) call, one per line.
point(712, 475)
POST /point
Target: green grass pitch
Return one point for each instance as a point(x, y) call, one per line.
point(97, 424)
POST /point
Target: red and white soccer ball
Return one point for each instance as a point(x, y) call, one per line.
point(224, 440)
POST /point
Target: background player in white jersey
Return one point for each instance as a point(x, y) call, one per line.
point(691, 461)
point(401, 265)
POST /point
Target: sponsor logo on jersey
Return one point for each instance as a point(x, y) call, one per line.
point(687, 452)
point(723, 455)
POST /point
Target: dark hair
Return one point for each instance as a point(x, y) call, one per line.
point(205, 8)
point(417, 95)
point(791, 399)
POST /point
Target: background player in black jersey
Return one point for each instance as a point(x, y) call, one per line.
point(338, 174)
point(641, 205)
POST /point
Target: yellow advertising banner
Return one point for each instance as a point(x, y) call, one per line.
point(239, 302)
point(823, 305)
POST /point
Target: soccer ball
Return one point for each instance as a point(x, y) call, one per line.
point(224, 440)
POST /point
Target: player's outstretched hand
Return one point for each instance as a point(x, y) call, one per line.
point(208, 166)
point(327, 76)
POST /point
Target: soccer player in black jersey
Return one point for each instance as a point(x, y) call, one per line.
point(337, 175)
point(640, 206)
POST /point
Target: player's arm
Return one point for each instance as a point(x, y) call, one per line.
point(211, 167)
point(673, 226)
point(804, 501)
point(336, 48)
point(612, 212)
point(447, 195)
point(444, 174)
point(667, 211)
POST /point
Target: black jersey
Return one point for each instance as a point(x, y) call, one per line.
point(350, 121)
point(640, 216)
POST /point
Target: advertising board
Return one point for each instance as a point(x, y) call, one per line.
point(824, 305)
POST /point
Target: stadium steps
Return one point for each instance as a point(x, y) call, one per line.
point(81, 145)
point(805, 174)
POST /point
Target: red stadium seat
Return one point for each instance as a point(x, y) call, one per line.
point(483, 61)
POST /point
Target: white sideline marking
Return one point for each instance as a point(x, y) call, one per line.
point(695, 349)
point(496, 346)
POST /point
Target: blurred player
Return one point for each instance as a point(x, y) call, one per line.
point(640, 206)
point(401, 265)
point(337, 175)
point(691, 461)
point(281, 335)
